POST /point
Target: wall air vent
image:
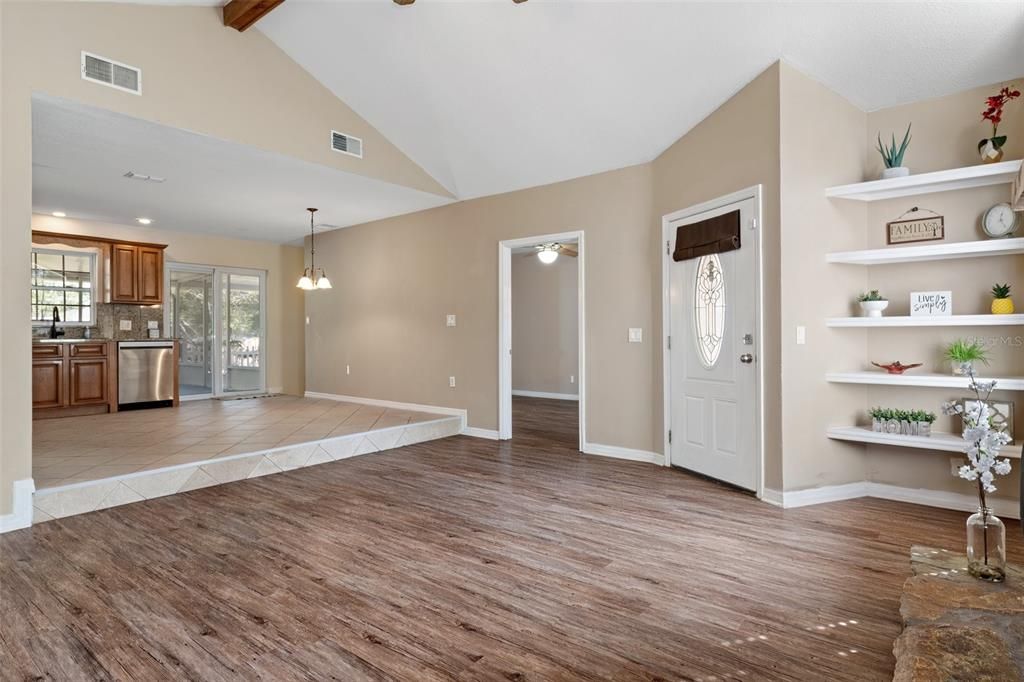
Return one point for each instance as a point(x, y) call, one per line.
point(108, 72)
point(346, 144)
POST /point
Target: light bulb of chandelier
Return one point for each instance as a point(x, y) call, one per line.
point(305, 282)
point(547, 256)
point(322, 282)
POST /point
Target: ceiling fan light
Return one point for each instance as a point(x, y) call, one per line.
point(547, 256)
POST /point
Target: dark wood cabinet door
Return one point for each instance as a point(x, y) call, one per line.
point(151, 275)
point(87, 381)
point(124, 273)
point(47, 383)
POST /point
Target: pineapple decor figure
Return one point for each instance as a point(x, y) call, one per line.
point(1002, 304)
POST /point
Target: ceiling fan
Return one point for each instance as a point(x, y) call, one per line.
point(548, 253)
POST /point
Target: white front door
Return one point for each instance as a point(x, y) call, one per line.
point(713, 305)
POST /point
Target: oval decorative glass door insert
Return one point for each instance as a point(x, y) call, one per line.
point(709, 309)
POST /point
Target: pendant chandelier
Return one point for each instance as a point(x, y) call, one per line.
point(313, 277)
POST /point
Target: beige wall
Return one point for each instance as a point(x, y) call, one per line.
point(545, 325)
point(735, 147)
point(821, 141)
point(285, 324)
point(946, 133)
point(197, 76)
point(396, 279)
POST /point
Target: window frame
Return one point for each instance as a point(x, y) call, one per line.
point(93, 287)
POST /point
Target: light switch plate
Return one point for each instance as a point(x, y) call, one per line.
point(125, 326)
point(152, 324)
point(636, 335)
point(450, 321)
point(451, 382)
point(801, 336)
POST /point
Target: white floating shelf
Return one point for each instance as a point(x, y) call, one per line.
point(922, 321)
point(940, 181)
point(946, 442)
point(931, 252)
point(919, 379)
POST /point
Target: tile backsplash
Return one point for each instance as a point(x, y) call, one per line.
point(108, 322)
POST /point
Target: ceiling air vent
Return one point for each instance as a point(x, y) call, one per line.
point(346, 144)
point(108, 72)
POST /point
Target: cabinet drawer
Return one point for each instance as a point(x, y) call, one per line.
point(88, 350)
point(46, 350)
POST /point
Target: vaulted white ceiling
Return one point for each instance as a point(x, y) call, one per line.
point(491, 96)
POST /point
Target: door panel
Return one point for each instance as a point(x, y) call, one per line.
point(190, 320)
point(241, 332)
point(47, 383)
point(713, 320)
point(87, 382)
point(151, 275)
point(124, 266)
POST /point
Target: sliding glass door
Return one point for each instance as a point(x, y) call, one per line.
point(218, 315)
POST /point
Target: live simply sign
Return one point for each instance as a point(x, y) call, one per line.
point(931, 303)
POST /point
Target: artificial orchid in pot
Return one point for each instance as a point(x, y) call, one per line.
point(991, 148)
point(986, 534)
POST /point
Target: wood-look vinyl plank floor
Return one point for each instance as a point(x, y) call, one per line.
point(466, 559)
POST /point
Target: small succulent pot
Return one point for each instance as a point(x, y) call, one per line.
point(1002, 306)
point(897, 172)
point(877, 425)
point(873, 308)
point(893, 426)
point(924, 429)
point(907, 428)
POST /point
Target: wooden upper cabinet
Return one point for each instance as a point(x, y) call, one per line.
point(124, 273)
point(151, 274)
point(136, 274)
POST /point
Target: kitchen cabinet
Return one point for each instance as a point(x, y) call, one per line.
point(70, 378)
point(137, 274)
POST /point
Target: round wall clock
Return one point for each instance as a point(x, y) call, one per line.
point(1000, 221)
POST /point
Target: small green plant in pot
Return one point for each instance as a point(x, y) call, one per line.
point(892, 156)
point(901, 422)
point(872, 303)
point(963, 355)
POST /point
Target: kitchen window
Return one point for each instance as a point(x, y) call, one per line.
point(66, 280)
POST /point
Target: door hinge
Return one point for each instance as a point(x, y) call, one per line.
point(670, 435)
point(670, 343)
point(753, 223)
point(667, 248)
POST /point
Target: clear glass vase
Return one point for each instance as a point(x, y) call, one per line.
point(986, 546)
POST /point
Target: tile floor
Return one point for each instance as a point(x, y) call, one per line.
point(77, 449)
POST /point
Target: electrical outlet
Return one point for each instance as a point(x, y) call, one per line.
point(126, 325)
point(955, 463)
point(450, 321)
point(636, 335)
point(451, 382)
point(572, 379)
point(152, 324)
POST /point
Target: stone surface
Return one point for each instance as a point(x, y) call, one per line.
point(957, 627)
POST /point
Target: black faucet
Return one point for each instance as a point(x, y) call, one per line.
point(54, 332)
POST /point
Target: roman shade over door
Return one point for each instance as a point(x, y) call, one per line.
point(713, 235)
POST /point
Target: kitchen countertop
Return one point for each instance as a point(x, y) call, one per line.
point(93, 340)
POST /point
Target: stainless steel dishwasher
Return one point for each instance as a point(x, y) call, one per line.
point(145, 374)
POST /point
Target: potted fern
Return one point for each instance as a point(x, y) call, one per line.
point(962, 355)
point(892, 156)
point(1002, 304)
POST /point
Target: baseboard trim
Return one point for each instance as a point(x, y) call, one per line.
point(623, 453)
point(475, 432)
point(21, 506)
point(545, 394)
point(376, 402)
point(929, 498)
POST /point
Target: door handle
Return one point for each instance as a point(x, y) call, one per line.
point(746, 358)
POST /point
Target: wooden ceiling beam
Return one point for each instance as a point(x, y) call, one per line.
point(241, 14)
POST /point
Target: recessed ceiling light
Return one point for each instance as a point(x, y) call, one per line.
point(144, 221)
point(60, 214)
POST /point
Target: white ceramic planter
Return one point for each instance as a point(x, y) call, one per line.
point(897, 172)
point(958, 368)
point(873, 308)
